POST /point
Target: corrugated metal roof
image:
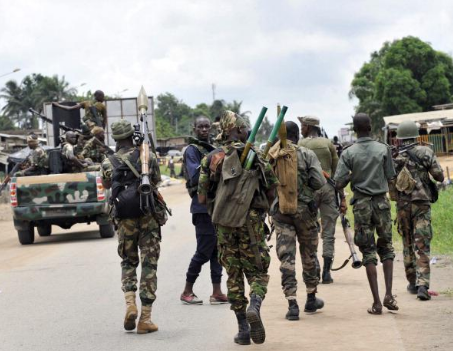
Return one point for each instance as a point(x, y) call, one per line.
point(420, 117)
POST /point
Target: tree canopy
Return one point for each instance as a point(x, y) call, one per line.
point(404, 76)
point(173, 116)
point(32, 92)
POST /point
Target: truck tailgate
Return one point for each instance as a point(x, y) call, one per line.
point(53, 189)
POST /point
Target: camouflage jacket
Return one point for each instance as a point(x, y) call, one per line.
point(419, 171)
point(93, 151)
point(68, 152)
point(125, 153)
point(38, 158)
point(100, 108)
point(208, 181)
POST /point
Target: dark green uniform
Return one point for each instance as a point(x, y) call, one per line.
point(368, 164)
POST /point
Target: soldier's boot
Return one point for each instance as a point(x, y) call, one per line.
point(326, 277)
point(423, 294)
point(145, 325)
point(131, 310)
point(243, 336)
point(313, 303)
point(257, 332)
point(293, 311)
point(412, 288)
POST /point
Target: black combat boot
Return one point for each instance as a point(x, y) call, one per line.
point(412, 288)
point(243, 337)
point(313, 303)
point(326, 278)
point(293, 311)
point(257, 332)
point(423, 293)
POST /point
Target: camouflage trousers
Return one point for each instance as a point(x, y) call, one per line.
point(373, 213)
point(144, 234)
point(307, 236)
point(414, 225)
point(243, 252)
point(325, 199)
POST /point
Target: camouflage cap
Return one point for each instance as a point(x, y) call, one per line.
point(96, 130)
point(122, 129)
point(228, 122)
point(309, 120)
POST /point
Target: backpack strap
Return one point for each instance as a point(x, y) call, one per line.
point(116, 163)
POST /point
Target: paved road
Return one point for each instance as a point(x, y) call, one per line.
point(63, 293)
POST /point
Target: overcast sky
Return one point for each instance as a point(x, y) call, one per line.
point(302, 54)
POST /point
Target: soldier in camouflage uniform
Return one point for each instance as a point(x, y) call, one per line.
point(92, 149)
point(413, 201)
point(326, 197)
point(301, 225)
point(74, 164)
point(37, 161)
point(368, 165)
point(242, 250)
point(134, 235)
point(89, 119)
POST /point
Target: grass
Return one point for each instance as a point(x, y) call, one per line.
point(447, 293)
point(441, 220)
point(165, 171)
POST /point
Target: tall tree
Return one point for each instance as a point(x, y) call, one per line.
point(32, 92)
point(404, 76)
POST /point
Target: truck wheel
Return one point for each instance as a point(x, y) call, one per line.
point(27, 237)
point(44, 230)
point(106, 230)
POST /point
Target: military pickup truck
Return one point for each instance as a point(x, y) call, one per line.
point(58, 199)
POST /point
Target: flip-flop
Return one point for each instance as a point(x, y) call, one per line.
point(390, 303)
point(374, 310)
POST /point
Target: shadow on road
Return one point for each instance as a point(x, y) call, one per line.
point(66, 238)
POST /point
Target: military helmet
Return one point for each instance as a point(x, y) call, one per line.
point(407, 130)
point(122, 129)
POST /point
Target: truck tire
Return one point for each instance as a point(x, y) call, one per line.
point(106, 230)
point(44, 230)
point(27, 237)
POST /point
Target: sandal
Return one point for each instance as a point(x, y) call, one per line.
point(390, 303)
point(375, 310)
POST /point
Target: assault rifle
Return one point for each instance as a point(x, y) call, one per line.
point(48, 120)
point(143, 139)
point(7, 179)
point(356, 262)
point(94, 112)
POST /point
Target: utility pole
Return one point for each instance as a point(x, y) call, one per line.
point(213, 92)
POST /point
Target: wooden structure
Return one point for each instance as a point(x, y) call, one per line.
point(435, 127)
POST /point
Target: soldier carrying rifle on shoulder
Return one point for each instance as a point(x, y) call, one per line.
point(414, 191)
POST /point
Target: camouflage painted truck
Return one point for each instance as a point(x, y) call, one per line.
point(58, 199)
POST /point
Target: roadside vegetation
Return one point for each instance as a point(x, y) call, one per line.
point(442, 222)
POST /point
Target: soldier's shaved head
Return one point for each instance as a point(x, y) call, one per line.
point(99, 95)
point(362, 123)
point(201, 119)
point(292, 131)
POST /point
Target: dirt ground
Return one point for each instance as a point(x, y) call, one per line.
point(343, 324)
